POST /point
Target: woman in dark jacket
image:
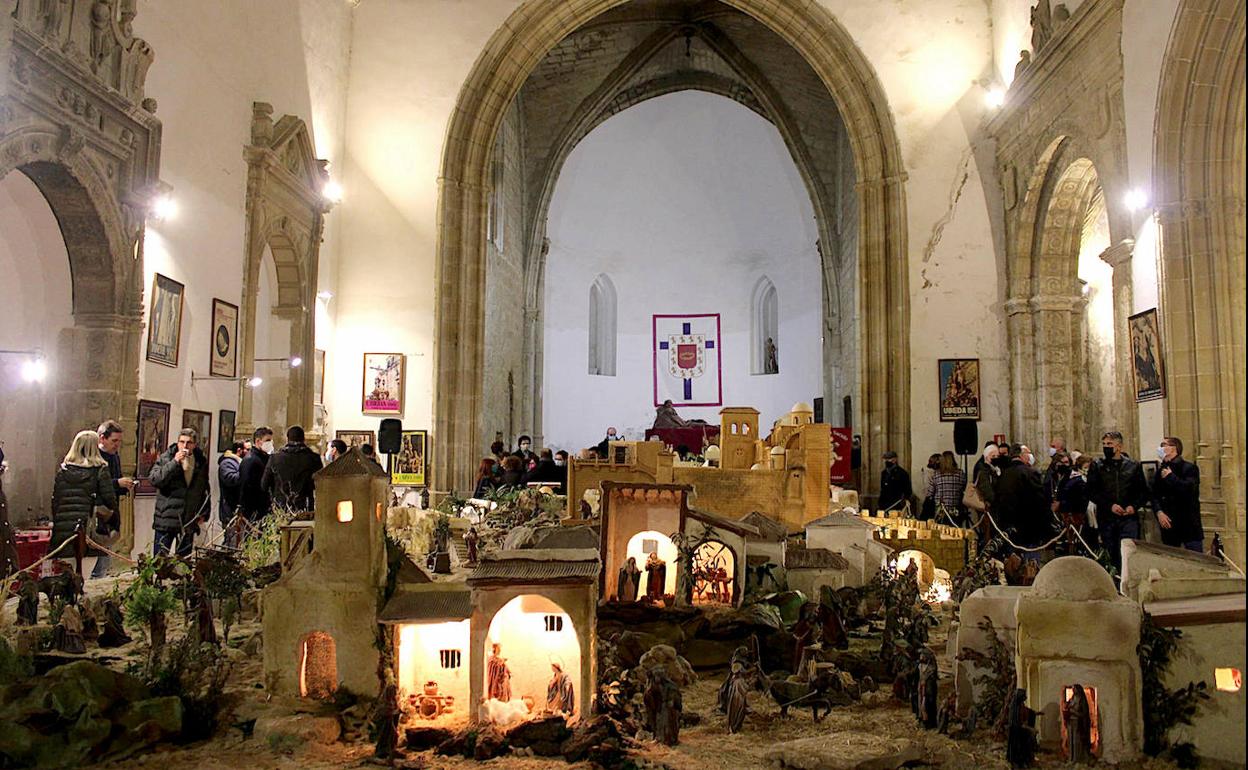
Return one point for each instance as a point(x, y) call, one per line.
point(82, 483)
point(513, 472)
point(485, 478)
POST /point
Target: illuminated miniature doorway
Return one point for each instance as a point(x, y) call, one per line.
point(432, 670)
point(927, 567)
point(318, 666)
point(532, 633)
point(714, 573)
point(1068, 693)
point(641, 545)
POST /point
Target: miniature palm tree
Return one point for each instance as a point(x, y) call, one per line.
point(149, 598)
point(688, 546)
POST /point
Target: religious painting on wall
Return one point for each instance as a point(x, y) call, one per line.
point(153, 439)
point(164, 322)
point(201, 423)
point(407, 468)
point(318, 377)
point(225, 430)
point(1150, 382)
point(687, 360)
point(357, 438)
point(224, 361)
point(959, 388)
point(384, 379)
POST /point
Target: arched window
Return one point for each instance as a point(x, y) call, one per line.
point(495, 218)
point(765, 328)
point(602, 327)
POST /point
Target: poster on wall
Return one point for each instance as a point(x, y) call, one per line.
point(687, 360)
point(407, 468)
point(318, 377)
point(224, 361)
point(357, 438)
point(384, 378)
point(842, 453)
point(164, 321)
point(153, 439)
point(225, 430)
point(1150, 382)
point(201, 423)
point(959, 388)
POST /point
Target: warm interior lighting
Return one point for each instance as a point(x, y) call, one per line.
point(332, 192)
point(346, 511)
point(1136, 199)
point(379, 511)
point(1228, 679)
point(254, 382)
point(520, 630)
point(1093, 714)
point(35, 370)
point(318, 666)
point(325, 295)
point(995, 98)
point(432, 669)
point(164, 208)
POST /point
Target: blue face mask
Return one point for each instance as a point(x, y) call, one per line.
point(1161, 453)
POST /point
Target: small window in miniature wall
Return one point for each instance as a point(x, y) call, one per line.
point(1228, 679)
point(450, 658)
point(318, 666)
point(378, 511)
point(346, 511)
point(554, 622)
point(1080, 726)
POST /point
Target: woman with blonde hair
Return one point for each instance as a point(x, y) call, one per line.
point(81, 483)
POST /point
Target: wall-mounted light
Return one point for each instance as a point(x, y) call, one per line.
point(325, 296)
point(295, 362)
point(34, 368)
point(332, 192)
point(163, 208)
point(292, 362)
point(994, 98)
point(254, 382)
point(1135, 199)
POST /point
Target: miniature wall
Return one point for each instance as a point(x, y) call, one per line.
point(1218, 731)
point(628, 515)
point(686, 201)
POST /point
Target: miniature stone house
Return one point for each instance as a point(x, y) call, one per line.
point(1074, 628)
point(319, 621)
point(767, 547)
point(540, 607)
point(809, 570)
point(853, 538)
point(640, 518)
point(996, 603)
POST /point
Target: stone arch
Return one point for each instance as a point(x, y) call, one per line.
point(285, 215)
point(498, 74)
point(1198, 187)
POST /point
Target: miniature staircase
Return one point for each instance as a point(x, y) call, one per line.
point(459, 548)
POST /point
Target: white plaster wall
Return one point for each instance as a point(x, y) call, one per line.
point(36, 297)
point(685, 201)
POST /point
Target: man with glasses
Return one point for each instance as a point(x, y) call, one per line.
point(1176, 498)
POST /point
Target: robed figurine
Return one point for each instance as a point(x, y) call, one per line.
point(656, 576)
point(1020, 746)
point(498, 677)
point(928, 678)
point(1078, 718)
point(663, 707)
point(629, 582)
point(560, 695)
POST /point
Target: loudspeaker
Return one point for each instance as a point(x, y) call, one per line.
point(966, 437)
point(819, 409)
point(390, 436)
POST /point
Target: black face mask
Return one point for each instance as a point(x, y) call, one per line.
point(1001, 462)
point(1109, 452)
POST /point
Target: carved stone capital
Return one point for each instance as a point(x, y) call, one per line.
point(1016, 306)
point(1119, 254)
point(1053, 302)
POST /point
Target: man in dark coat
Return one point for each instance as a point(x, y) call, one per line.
point(288, 476)
point(180, 476)
point(230, 487)
point(1116, 486)
point(1021, 506)
point(1176, 498)
point(110, 450)
point(895, 488)
point(545, 471)
point(253, 499)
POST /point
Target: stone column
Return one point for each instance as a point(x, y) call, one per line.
point(1055, 379)
point(1018, 324)
point(1126, 416)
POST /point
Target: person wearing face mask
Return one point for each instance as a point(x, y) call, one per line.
point(1021, 506)
point(604, 446)
point(1058, 471)
point(545, 471)
point(1072, 502)
point(1116, 486)
point(895, 490)
point(561, 462)
point(1176, 498)
point(254, 501)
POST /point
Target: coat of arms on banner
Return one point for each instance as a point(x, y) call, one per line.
point(686, 360)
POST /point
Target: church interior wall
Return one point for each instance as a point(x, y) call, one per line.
point(685, 201)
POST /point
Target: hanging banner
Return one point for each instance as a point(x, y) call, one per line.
point(686, 360)
point(842, 453)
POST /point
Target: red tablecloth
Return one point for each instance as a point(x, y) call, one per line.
point(694, 436)
point(32, 545)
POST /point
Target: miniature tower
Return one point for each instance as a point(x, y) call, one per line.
point(738, 437)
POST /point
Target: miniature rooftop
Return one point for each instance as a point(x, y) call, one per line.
point(814, 558)
point(432, 601)
point(537, 565)
point(353, 463)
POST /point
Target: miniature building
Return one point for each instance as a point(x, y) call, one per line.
point(810, 569)
point(639, 519)
point(1151, 572)
point(431, 634)
point(996, 603)
point(319, 633)
point(540, 607)
point(784, 476)
point(853, 538)
point(1074, 628)
point(948, 547)
point(765, 548)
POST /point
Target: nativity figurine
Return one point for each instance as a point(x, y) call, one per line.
point(1020, 746)
point(560, 695)
point(498, 676)
point(663, 706)
point(67, 635)
point(629, 582)
point(928, 679)
point(1078, 719)
point(656, 577)
point(114, 632)
point(386, 718)
point(28, 603)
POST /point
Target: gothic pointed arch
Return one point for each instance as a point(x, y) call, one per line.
point(602, 326)
point(764, 327)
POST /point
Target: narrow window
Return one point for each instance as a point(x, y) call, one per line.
point(602, 327)
point(450, 658)
point(554, 622)
point(765, 328)
point(494, 215)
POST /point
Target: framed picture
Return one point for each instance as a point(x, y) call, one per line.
point(224, 360)
point(164, 322)
point(1146, 366)
point(357, 437)
point(201, 423)
point(153, 439)
point(318, 377)
point(958, 383)
point(384, 379)
point(1149, 468)
point(225, 430)
point(407, 468)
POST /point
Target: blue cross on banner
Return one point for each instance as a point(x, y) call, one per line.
point(686, 360)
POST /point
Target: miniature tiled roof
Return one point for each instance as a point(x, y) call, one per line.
point(570, 537)
point(538, 565)
point(440, 603)
point(841, 519)
point(719, 522)
point(353, 463)
point(768, 528)
point(814, 558)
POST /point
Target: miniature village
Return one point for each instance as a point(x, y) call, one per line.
point(727, 611)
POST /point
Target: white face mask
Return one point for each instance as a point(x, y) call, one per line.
point(559, 463)
point(1052, 451)
point(267, 447)
point(1031, 459)
point(1161, 453)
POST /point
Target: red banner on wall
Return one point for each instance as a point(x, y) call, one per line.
point(842, 449)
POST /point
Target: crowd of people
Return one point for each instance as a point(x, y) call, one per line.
point(1096, 502)
point(519, 468)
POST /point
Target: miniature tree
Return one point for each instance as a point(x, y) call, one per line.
point(687, 546)
point(149, 598)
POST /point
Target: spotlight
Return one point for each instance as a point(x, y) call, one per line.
point(332, 192)
point(254, 382)
point(164, 208)
point(994, 98)
point(325, 295)
point(1136, 199)
point(34, 370)
point(295, 361)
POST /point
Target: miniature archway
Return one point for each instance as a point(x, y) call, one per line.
point(926, 566)
point(640, 546)
point(432, 669)
point(318, 666)
point(714, 573)
point(528, 637)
